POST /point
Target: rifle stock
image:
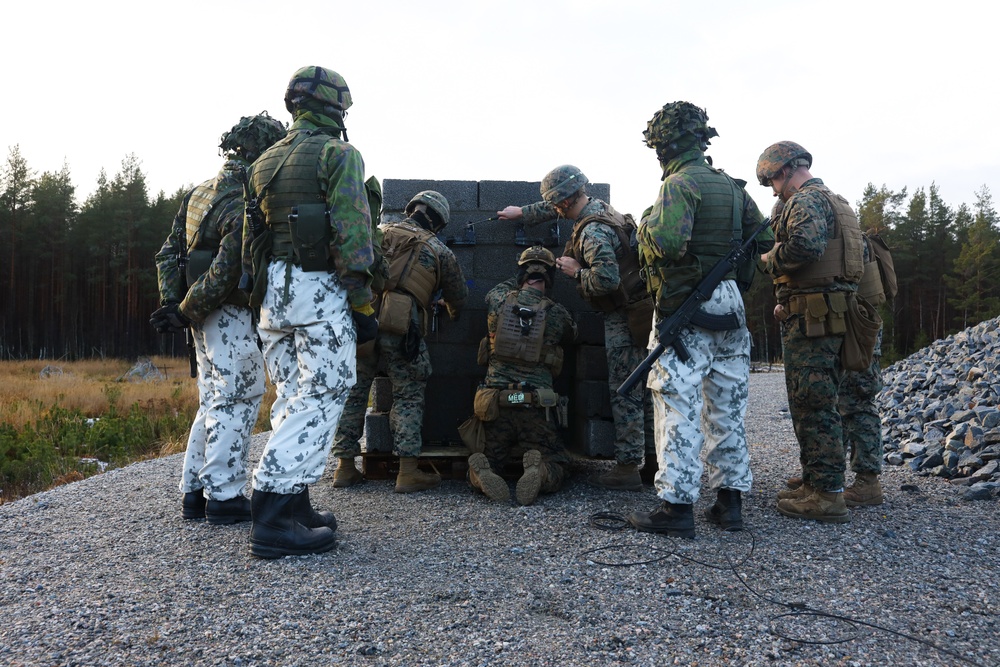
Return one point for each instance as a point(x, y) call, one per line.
point(668, 330)
point(254, 216)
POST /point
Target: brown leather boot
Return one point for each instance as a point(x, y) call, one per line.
point(530, 484)
point(411, 479)
point(865, 491)
point(793, 482)
point(801, 491)
point(346, 474)
point(482, 477)
point(824, 506)
point(623, 477)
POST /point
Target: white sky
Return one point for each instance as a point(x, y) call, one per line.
point(894, 93)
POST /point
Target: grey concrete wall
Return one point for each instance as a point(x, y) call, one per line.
point(492, 259)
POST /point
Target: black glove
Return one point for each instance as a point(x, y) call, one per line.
point(365, 325)
point(169, 319)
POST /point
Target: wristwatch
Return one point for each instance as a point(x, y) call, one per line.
point(579, 272)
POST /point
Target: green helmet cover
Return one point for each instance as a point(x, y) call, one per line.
point(776, 156)
point(435, 201)
point(320, 84)
point(562, 183)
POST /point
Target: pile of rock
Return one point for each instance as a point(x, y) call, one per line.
point(940, 411)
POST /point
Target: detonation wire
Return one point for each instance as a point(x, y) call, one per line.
point(616, 522)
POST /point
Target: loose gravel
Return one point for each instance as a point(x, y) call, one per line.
point(105, 572)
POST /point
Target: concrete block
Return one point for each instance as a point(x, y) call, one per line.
point(461, 195)
point(591, 399)
point(495, 195)
point(380, 398)
point(455, 361)
point(594, 437)
point(378, 435)
point(589, 327)
point(591, 363)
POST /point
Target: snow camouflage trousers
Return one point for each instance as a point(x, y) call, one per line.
point(634, 433)
point(861, 421)
point(230, 388)
point(701, 403)
point(406, 418)
point(309, 347)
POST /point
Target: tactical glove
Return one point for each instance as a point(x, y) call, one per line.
point(365, 325)
point(169, 319)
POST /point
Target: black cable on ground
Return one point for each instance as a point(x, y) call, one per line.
point(617, 522)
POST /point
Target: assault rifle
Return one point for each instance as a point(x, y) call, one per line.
point(254, 216)
point(435, 310)
point(668, 331)
point(182, 261)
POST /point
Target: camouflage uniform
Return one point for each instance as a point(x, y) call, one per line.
point(813, 370)
point(519, 429)
point(306, 319)
point(599, 245)
point(230, 367)
point(700, 402)
point(408, 375)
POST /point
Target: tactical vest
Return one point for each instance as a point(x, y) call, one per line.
point(520, 334)
point(295, 184)
point(401, 246)
point(843, 258)
point(202, 235)
point(718, 223)
point(631, 287)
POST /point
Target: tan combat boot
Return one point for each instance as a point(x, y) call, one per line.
point(801, 491)
point(346, 474)
point(411, 479)
point(535, 475)
point(623, 477)
point(793, 482)
point(865, 491)
point(825, 506)
point(482, 477)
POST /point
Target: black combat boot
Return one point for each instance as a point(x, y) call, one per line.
point(275, 532)
point(310, 518)
point(225, 512)
point(727, 511)
point(674, 520)
point(193, 505)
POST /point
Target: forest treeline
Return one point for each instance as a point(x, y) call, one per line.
point(78, 280)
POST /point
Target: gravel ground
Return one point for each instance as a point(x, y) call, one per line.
point(105, 572)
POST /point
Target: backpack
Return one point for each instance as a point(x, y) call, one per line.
point(879, 251)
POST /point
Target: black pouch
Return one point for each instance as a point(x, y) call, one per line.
point(410, 343)
point(310, 229)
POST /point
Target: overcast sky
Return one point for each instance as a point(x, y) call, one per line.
point(893, 93)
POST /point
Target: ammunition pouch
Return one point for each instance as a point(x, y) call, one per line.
point(824, 313)
point(639, 315)
point(309, 226)
point(395, 313)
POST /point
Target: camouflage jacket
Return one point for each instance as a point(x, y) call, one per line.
point(560, 329)
point(340, 173)
point(217, 285)
point(802, 226)
point(598, 246)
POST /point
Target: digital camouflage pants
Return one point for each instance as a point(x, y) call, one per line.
point(701, 404)
point(406, 418)
point(861, 421)
point(230, 388)
point(309, 347)
point(633, 425)
point(518, 430)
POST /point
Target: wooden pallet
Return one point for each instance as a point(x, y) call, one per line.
point(451, 462)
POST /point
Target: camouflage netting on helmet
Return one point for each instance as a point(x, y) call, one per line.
point(252, 136)
point(776, 156)
point(676, 127)
point(562, 183)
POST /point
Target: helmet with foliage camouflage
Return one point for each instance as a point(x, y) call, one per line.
point(320, 84)
point(776, 156)
point(252, 136)
point(536, 259)
point(562, 183)
point(436, 202)
point(675, 121)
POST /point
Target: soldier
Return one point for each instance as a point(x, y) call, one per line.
point(311, 274)
point(420, 266)
point(516, 403)
point(816, 265)
point(602, 261)
point(199, 267)
point(699, 402)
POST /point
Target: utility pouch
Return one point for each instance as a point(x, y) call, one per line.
point(546, 398)
point(863, 324)
point(394, 313)
point(309, 225)
point(815, 315)
point(639, 315)
point(483, 355)
point(198, 263)
point(485, 405)
point(836, 319)
point(473, 434)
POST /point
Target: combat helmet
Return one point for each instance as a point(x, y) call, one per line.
point(252, 136)
point(536, 259)
point(776, 156)
point(678, 126)
point(562, 183)
point(320, 84)
point(436, 203)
